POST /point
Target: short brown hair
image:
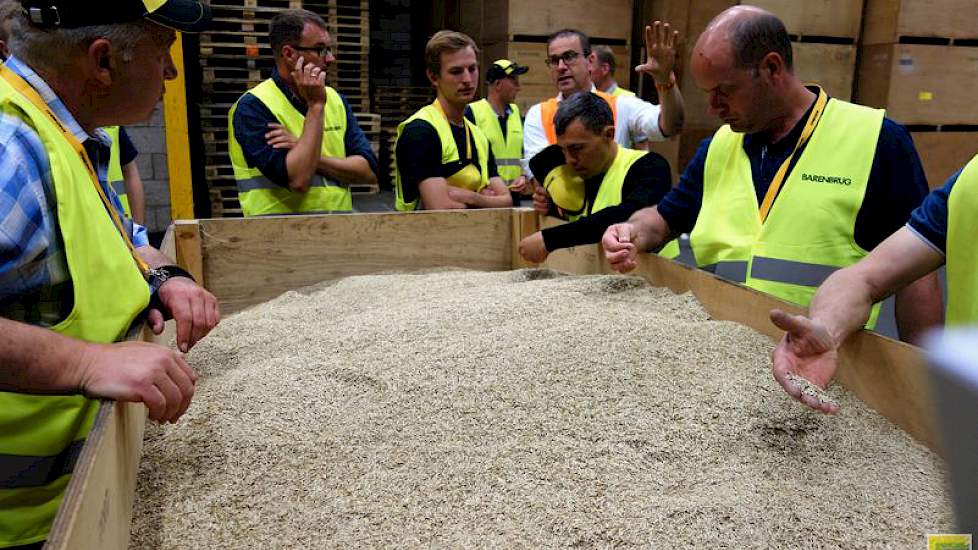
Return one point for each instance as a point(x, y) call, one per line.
point(286, 28)
point(445, 41)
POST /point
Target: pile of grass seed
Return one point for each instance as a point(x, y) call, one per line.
point(516, 409)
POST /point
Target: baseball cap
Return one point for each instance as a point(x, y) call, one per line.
point(501, 68)
point(182, 15)
point(565, 187)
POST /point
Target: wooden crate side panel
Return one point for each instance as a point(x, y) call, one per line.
point(97, 509)
point(248, 261)
point(832, 66)
point(888, 20)
point(920, 90)
point(944, 153)
point(836, 18)
point(888, 376)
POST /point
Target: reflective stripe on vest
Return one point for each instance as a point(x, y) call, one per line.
point(259, 200)
point(548, 109)
point(108, 294)
point(116, 178)
point(507, 149)
point(449, 151)
point(810, 230)
point(962, 254)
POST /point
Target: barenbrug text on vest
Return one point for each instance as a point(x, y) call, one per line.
point(826, 179)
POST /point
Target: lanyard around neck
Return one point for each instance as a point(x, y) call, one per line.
point(31, 94)
point(468, 138)
point(778, 181)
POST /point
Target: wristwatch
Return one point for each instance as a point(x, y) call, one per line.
point(159, 275)
point(156, 277)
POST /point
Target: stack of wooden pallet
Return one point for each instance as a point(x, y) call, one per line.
point(235, 56)
point(395, 104)
point(919, 61)
point(370, 124)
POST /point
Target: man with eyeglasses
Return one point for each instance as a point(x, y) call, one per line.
point(570, 58)
point(794, 186)
point(295, 145)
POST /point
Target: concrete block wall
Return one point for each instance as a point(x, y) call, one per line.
point(150, 139)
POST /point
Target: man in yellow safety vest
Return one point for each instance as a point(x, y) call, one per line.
point(794, 186)
point(76, 274)
point(498, 116)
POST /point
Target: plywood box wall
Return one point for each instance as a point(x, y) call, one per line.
point(944, 153)
point(920, 84)
point(889, 20)
point(504, 19)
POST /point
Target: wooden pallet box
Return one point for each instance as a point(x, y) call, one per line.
point(889, 21)
point(944, 153)
point(289, 252)
point(920, 84)
point(504, 20)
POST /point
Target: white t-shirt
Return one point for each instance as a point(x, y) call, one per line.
point(636, 121)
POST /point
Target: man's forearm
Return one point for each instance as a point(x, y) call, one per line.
point(651, 230)
point(303, 159)
point(843, 303)
point(352, 170)
point(154, 257)
point(38, 360)
point(919, 308)
point(672, 113)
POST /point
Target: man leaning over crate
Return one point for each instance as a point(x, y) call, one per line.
point(74, 274)
point(940, 232)
point(295, 146)
point(595, 181)
point(794, 186)
point(570, 58)
point(443, 161)
point(498, 116)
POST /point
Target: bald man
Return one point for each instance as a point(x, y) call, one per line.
point(794, 186)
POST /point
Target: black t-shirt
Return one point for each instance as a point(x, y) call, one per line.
point(418, 156)
point(646, 182)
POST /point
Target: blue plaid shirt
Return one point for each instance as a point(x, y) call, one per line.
point(34, 278)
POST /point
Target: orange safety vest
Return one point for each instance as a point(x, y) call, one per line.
point(548, 109)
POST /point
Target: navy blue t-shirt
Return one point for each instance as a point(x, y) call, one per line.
point(127, 149)
point(929, 220)
point(251, 120)
point(897, 184)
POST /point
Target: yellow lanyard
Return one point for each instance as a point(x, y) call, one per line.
point(778, 181)
point(25, 89)
point(465, 124)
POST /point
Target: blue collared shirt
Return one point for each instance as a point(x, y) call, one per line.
point(250, 124)
point(33, 265)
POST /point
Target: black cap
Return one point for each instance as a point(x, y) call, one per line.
point(501, 68)
point(181, 15)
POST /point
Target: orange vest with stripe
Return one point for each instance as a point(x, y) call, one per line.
point(548, 109)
